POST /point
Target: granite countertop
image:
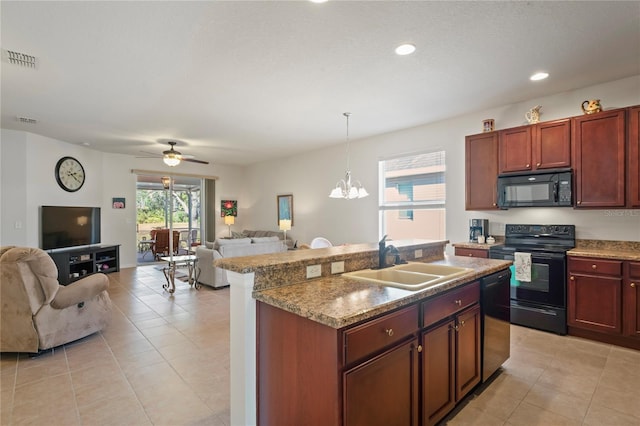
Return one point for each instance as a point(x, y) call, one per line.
point(338, 301)
point(621, 250)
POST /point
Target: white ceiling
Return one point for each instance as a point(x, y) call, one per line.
point(240, 81)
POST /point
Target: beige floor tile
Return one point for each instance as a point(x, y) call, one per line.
point(120, 410)
point(530, 415)
point(557, 402)
point(579, 386)
point(619, 400)
point(497, 404)
point(509, 386)
point(473, 416)
point(603, 416)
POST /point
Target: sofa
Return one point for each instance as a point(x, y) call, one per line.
point(232, 247)
point(37, 312)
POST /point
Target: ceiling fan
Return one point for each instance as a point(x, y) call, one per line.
point(172, 158)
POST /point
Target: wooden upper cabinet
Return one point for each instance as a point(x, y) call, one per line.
point(539, 146)
point(598, 147)
point(552, 144)
point(515, 149)
point(633, 153)
point(481, 167)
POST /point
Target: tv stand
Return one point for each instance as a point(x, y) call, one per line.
point(76, 263)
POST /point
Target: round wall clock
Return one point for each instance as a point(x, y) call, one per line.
point(69, 174)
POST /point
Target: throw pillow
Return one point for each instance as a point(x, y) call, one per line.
point(235, 234)
point(208, 244)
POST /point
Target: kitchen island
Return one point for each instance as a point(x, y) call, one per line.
point(326, 306)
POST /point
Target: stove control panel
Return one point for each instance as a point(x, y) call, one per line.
point(564, 231)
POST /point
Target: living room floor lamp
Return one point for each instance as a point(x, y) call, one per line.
point(229, 220)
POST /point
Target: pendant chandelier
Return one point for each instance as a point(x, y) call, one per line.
point(347, 188)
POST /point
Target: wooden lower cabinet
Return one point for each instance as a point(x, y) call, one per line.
point(384, 390)
point(631, 296)
point(603, 300)
point(451, 363)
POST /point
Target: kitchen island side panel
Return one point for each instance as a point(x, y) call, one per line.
point(294, 352)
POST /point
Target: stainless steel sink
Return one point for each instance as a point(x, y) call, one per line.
point(410, 276)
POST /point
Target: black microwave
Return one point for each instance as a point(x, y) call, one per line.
point(544, 188)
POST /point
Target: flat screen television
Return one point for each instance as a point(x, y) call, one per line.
point(62, 226)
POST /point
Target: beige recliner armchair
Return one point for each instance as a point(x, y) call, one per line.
point(37, 313)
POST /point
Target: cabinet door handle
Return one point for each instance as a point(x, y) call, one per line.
point(458, 302)
point(462, 323)
point(454, 327)
point(470, 254)
point(538, 164)
point(389, 332)
point(528, 165)
point(633, 285)
point(572, 278)
point(594, 266)
point(419, 348)
point(579, 202)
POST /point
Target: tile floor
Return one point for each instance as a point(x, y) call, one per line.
point(164, 360)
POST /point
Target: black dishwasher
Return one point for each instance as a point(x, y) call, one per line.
point(496, 318)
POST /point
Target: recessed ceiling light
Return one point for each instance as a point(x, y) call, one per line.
point(539, 76)
point(405, 49)
point(318, 1)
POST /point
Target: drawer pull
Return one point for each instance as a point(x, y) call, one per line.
point(594, 266)
point(389, 332)
point(458, 302)
point(633, 284)
point(470, 254)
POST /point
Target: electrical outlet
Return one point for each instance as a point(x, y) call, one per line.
point(314, 271)
point(418, 254)
point(337, 267)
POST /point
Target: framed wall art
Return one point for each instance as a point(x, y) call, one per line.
point(285, 208)
point(228, 208)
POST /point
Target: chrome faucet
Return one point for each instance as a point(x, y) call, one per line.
point(383, 252)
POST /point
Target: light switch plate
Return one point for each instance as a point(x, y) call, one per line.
point(337, 267)
point(418, 254)
point(314, 271)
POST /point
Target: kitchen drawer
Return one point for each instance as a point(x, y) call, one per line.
point(634, 270)
point(595, 266)
point(441, 307)
point(471, 252)
point(368, 338)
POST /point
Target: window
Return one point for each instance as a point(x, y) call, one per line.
point(412, 196)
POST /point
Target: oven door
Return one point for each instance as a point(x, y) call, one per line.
point(548, 278)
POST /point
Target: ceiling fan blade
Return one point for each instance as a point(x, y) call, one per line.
point(193, 160)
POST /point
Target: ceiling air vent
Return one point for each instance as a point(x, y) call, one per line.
point(27, 120)
point(21, 59)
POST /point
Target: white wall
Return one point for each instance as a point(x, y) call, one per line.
point(310, 177)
